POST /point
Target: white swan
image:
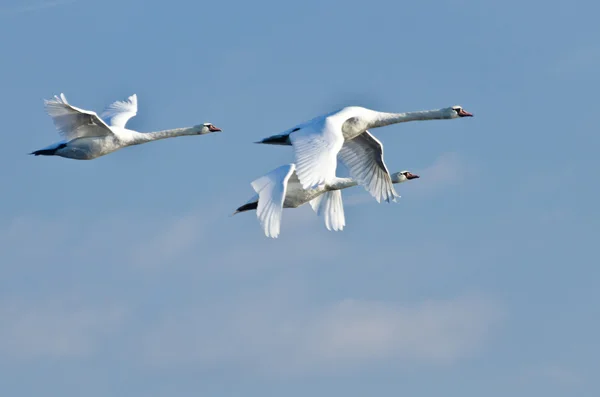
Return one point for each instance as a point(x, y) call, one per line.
point(88, 136)
point(318, 142)
point(281, 188)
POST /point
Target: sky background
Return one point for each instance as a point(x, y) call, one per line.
point(126, 276)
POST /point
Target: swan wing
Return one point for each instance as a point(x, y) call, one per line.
point(330, 205)
point(72, 122)
point(271, 190)
point(118, 113)
point(363, 156)
point(316, 147)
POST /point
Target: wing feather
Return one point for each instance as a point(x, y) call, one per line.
point(271, 189)
point(72, 122)
point(316, 147)
point(363, 156)
point(118, 113)
point(330, 205)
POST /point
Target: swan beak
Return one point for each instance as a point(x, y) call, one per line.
point(212, 128)
point(410, 176)
point(464, 113)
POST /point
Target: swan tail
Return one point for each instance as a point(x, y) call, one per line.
point(276, 140)
point(246, 207)
point(49, 151)
point(43, 152)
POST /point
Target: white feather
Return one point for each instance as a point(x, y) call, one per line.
point(330, 205)
point(271, 189)
point(363, 156)
point(316, 147)
point(118, 113)
point(72, 122)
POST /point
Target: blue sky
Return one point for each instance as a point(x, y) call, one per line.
point(125, 276)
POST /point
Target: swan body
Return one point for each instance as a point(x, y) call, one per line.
point(343, 134)
point(88, 136)
point(281, 188)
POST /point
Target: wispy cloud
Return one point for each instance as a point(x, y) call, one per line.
point(27, 238)
point(172, 238)
point(273, 332)
point(276, 336)
point(22, 9)
point(54, 330)
point(449, 169)
point(145, 242)
point(556, 373)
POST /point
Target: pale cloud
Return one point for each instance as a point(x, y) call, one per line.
point(303, 240)
point(280, 335)
point(54, 330)
point(169, 240)
point(42, 241)
point(278, 331)
point(142, 241)
point(160, 242)
point(448, 170)
point(155, 241)
point(30, 239)
point(27, 8)
point(553, 372)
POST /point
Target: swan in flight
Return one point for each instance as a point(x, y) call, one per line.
point(87, 136)
point(343, 134)
point(281, 188)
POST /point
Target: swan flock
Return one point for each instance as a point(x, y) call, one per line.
point(318, 145)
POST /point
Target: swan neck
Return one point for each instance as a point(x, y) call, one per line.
point(341, 183)
point(383, 119)
point(398, 179)
point(175, 132)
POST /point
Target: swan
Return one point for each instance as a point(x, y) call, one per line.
point(88, 136)
point(343, 134)
point(281, 188)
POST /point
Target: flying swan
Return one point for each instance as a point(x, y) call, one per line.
point(281, 188)
point(343, 134)
point(87, 136)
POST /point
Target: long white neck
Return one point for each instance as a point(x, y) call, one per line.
point(341, 183)
point(382, 119)
point(344, 183)
point(156, 135)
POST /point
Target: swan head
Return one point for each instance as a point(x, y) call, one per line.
point(457, 111)
point(403, 176)
point(207, 128)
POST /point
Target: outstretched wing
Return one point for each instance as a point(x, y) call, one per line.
point(72, 122)
point(117, 114)
point(330, 205)
point(316, 147)
point(363, 156)
point(271, 190)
